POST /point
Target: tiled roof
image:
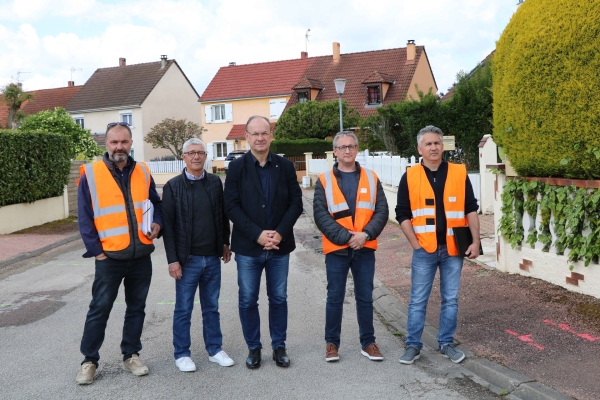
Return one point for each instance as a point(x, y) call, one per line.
point(45, 99)
point(306, 83)
point(100, 139)
point(483, 63)
point(49, 98)
point(119, 86)
point(378, 77)
point(239, 131)
point(255, 80)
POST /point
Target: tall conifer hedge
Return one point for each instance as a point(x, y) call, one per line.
point(546, 82)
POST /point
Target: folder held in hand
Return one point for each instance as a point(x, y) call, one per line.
point(464, 239)
point(147, 217)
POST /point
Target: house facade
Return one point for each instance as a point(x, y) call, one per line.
point(141, 95)
point(373, 78)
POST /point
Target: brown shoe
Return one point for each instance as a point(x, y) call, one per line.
point(331, 352)
point(135, 365)
point(86, 373)
point(372, 352)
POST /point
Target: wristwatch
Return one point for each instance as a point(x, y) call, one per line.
point(367, 236)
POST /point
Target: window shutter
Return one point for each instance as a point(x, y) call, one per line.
point(229, 147)
point(208, 114)
point(228, 112)
point(273, 109)
point(282, 103)
point(210, 151)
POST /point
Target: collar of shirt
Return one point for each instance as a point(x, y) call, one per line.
point(194, 178)
point(255, 161)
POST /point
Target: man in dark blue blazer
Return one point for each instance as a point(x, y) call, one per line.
point(263, 200)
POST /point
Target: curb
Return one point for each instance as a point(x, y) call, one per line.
point(37, 252)
point(495, 377)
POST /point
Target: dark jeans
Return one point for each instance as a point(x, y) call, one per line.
point(136, 276)
point(203, 273)
point(362, 265)
point(249, 274)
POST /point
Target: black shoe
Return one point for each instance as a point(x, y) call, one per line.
point(253, 360)
point(280, 357)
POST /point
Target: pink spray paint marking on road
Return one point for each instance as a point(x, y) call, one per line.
point(525, 338)
point(567, 328)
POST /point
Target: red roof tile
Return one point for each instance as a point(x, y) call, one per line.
point(281, 77)
point(306, 83)
point(239, 131)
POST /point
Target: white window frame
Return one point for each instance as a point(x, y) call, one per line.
point(79, 117)
point(223, 150)
point(126, 116)
point(218, 113)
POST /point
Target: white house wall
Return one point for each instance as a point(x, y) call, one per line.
point(97, 121)
point(173, 97)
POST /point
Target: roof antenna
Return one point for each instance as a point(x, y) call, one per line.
point(19, 76)
point(73, 69)
point(306, 41)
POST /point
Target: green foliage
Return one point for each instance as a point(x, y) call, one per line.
point(34, 166)
point(545, 75)
point(468, 114)
point(14, 97)
point(171, 134)
point(59, 121)
point(575, 212)
point(397, 124)
point(298, 147)
point(315, 119)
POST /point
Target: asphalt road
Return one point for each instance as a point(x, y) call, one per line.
point(44, 300)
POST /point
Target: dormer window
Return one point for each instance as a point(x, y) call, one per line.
point(303, 96)
point(373, 94)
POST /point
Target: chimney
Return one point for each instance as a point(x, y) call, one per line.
point(232, 64)
point(70, 83)
point(163, 61)
point(336, 52)
point(411, 51)
point(122, 62)
point(303, 54)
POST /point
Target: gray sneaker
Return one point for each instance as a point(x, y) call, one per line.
point(410, 355)
point(449, 351)
point(86, 373)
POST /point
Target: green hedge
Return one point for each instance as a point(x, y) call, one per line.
point(298, 147)
point(33, 166)
point(545, 83)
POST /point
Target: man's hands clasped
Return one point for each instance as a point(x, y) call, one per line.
point(269, 240)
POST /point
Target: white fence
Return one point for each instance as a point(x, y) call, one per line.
point(389, 169)
point(158, 167)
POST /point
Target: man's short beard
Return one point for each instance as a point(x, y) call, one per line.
point(118, 158)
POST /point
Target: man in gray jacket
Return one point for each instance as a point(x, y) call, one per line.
point(350, 210)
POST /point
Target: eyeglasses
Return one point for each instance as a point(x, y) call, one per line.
point(350, 147)
point(256, 135)
point(193, 154)
point(111, 124)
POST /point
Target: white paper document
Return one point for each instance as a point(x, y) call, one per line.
point(148, 210)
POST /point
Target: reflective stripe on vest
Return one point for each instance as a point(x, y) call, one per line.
point(422, 202)
point(336, 203)
point(108, 203)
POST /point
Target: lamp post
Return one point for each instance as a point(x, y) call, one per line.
point(340, 85)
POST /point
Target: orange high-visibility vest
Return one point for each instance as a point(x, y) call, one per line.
point(108, 203)
point(422, 204)
point(339, 210)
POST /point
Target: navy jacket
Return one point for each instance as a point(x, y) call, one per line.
point(246, 208)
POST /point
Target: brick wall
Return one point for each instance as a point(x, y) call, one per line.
point(72, 187)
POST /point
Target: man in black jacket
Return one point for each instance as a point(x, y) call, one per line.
point(350, 210)
point(263, 200)
point(196, 235)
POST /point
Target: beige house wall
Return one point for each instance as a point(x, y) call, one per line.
point(25, 215)
point(423, 78)
point(96, 121)
point(173, 97)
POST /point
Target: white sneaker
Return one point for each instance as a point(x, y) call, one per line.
point(222, 359)
point(185, 364)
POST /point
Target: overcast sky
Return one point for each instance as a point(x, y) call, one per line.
point(41, 41)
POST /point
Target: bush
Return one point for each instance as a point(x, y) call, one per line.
point(298, 147)
point(545, 80)
point(34, 166)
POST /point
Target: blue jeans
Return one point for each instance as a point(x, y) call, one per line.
point(362, 265)
point(204, 273)
point(423, 268)
point(249, 274)
point(136, 276)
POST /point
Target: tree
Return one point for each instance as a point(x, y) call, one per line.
point(14, 97)
point(171, 134)
point(315, 119)
point(59, 121)
point(468, 114)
